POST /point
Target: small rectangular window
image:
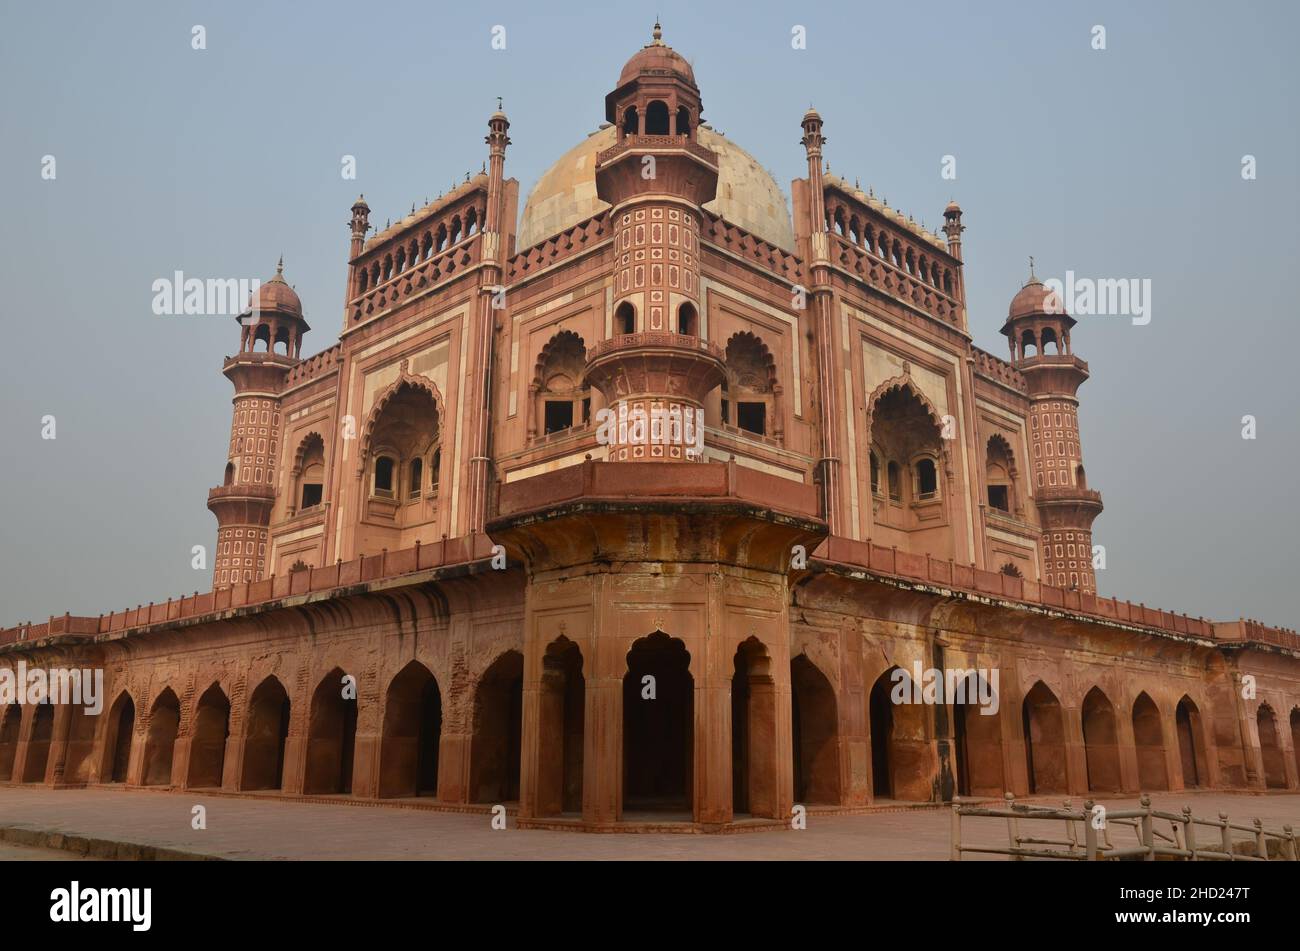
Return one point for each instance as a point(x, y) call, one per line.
point(752, 417)
point(998, 498)
point(559, 416)
point(311, 495)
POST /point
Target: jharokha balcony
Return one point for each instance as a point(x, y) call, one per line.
point(651, 143)
point(653, 340)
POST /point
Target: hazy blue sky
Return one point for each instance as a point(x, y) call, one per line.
point(1122, 163)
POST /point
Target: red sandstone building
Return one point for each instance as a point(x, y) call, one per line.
point(432, 510)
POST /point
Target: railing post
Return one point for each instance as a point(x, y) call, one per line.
point(1069, 828)
point(1190, 833)
point(1148, 837)
point(1288, 844)
point(956, 830)
point(1013, 827)
point(1089, 833)
point(1261, 847)
point(1225, 836)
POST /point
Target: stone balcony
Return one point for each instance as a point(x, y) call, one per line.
point(653, 143)
point(657, 366)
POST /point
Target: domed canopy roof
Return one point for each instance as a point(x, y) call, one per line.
point(656, 58)
point(748, 196)
point(276, 295)
point(1034, 299)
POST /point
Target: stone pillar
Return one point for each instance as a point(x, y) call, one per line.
point(713, 793)
point(602, 760)
point(57, 764)
point(1076, 754)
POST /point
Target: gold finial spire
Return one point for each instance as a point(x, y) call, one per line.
point(657, 34)
point(279, 268)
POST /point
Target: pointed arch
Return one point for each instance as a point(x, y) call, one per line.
point(405, 379)
point(160, 739)
point(1149, 738)
point(11, 719)
point(1270, 748)
point(1100, 742)
point(561, 729)
point(209, 731)
point(815, 734)
point(658, 734)
point(753, 731)
point(1043, 724)
point(331, 737)
point(902, 765)
point(411, 734)
point(1191, 743)
point(265, 735)
point(750, 388)
point(496, 745)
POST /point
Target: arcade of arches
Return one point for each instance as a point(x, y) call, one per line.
point(661, 725)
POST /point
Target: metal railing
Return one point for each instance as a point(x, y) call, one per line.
point(1087, 834)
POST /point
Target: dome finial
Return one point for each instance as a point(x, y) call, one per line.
point(279, 268)
point(1031, 269)
point(657, 33)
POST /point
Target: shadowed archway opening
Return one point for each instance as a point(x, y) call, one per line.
point(1100, 742)
point(331, 736)
point(38, 746)
point(1191, 743)
point(901, 762)
point(160, 740)
point(1295, 737)
point(412, 732)
point(1269, 748)
point(815, 734)
point(10, 726)
point(208, 745)
point(561, 707)
point(753, 731)
point(1044, 731)
point(1149, 738)
point(498, 722)
point(977, 727)
point(658, 726)
point(266, 734)
point(120, 736)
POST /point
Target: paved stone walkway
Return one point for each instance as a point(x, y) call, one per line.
point(239, 828)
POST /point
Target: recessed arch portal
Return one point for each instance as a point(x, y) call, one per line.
point(498, 719)
point(160, 739)
point(1191, 743)
point(1100, 742)
point(118, 738)
point(412, 732)
point(1270, 749)
point(658, 726)
point(38, 745)
point(561, 708)
point(753, 731)
point(901, 763)
point(331, 735)
point(815, 734)
point(1148, 737)
point(265, 737)
point(1044, 729)
point(10, 726)
point(208, 744)
point(976, 717)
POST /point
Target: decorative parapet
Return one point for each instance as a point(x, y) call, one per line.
point(648, 143)
point(966, 578)
point(418, 277)
point(654, 340)
point(361, 570)
point(889, 278)
point(722, 234)
point(312, 367)
point(585, 234)
point(999, 371)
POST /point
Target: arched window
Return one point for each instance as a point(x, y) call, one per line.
point(927, 478)
point(875, 473)
point(311, 472)
point(999, 474)
point(1012, 570)
point(625, 319)
point(559, 382)
point(683, 121)
point(749, 396)
point(383, 485)
point(631, 121)
point(435, 467)
point(230, 474)
point(895, 477)
point(656, 118)
point(1027, 342)
point(686, 319)
point(1049, 336)
point(442, 237)
point(416, 481)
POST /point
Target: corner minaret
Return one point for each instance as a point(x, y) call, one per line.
point(1038, 329)
point(271, 332)
point(656, 176)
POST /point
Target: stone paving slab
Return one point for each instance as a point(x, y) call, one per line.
point(268, 829)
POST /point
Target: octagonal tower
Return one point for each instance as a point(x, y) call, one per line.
point(654, 370)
